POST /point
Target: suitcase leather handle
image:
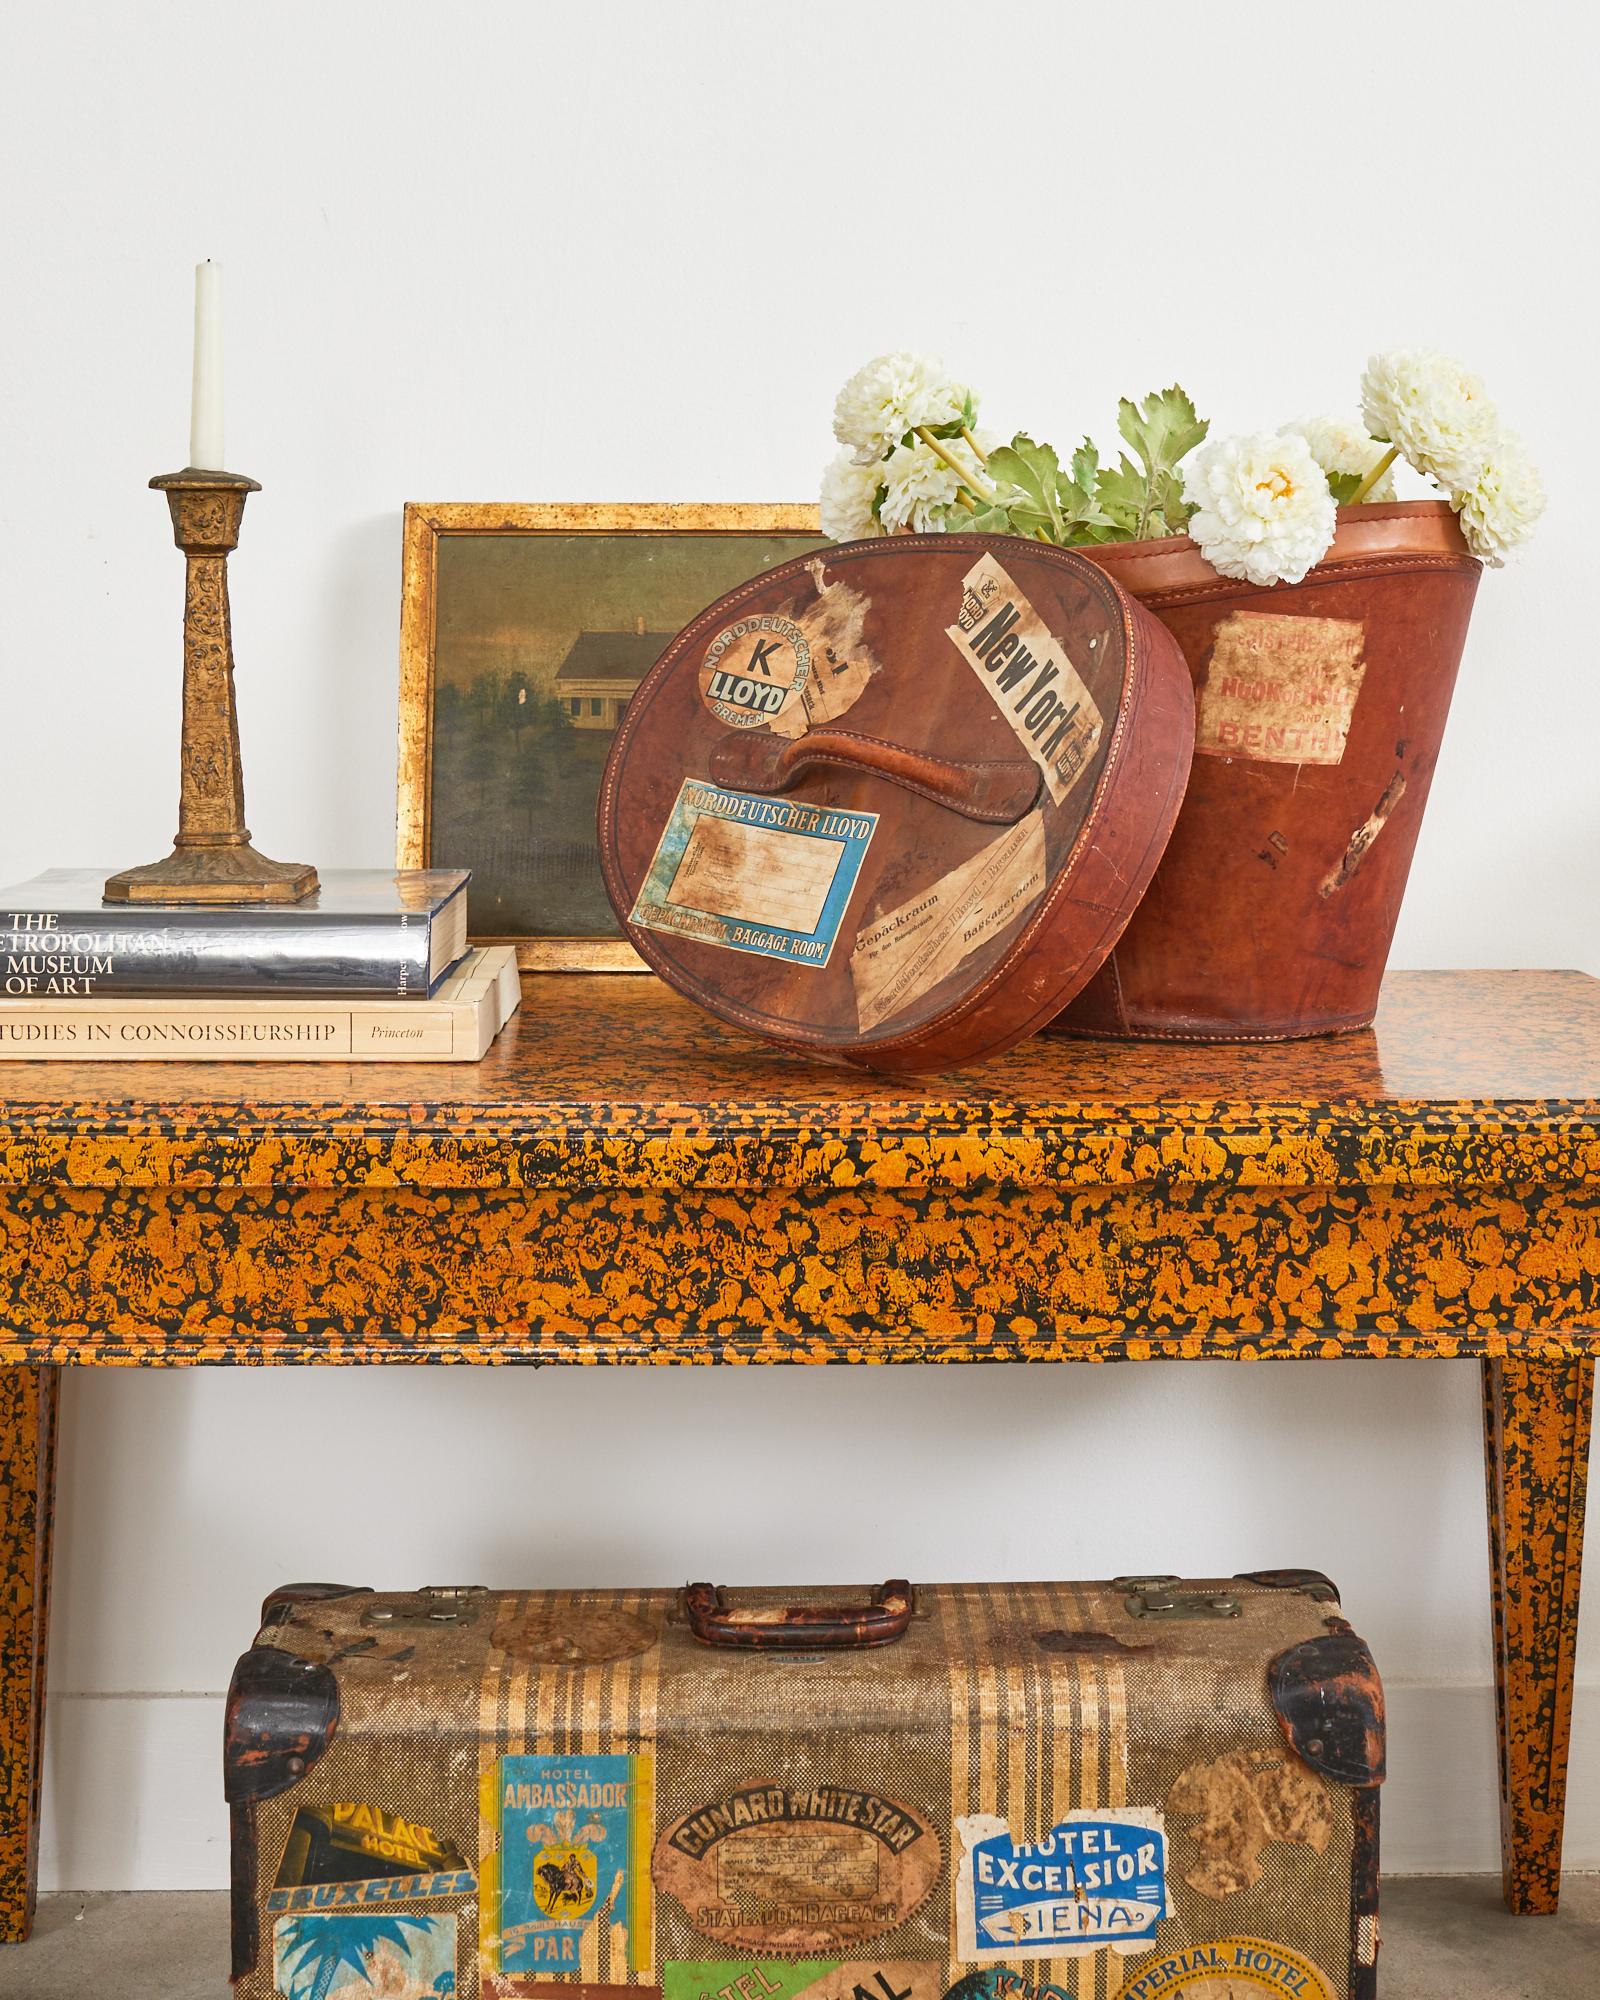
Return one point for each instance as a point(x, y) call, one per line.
point(996, 790)
point(715, 1622)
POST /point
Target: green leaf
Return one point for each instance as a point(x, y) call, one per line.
point(1343, 486)
point(985, 521)
point(1161, 430)
point(1027, 475)
point(1121, 491)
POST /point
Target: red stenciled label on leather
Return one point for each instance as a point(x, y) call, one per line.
point(1280, 689)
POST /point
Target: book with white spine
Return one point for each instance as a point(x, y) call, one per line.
point(456, 1025)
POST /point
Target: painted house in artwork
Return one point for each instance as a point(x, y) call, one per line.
point(602, 669)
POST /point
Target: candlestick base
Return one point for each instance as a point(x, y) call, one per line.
point(212, 860)
point(232, 874)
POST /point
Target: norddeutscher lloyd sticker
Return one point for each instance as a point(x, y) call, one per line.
point(343, 1956)
point(909, 949)
point(790, 670)
point(754, 669)
point(1098, 1877)
point(796, 1871)
point(566, 1840)
point(1236, 1968)
point(1280, 690)
point(765, 875)
point(1039, 691)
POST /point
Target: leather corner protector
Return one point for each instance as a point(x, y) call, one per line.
point(281, 1716)
point(1329, 1703)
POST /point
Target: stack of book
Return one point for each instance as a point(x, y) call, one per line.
point(374, 967)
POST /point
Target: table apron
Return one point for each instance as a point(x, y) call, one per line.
point(158, 1276)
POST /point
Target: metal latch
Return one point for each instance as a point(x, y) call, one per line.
point(1163, 1603)
point(442, 1604)
point(1141, 1582)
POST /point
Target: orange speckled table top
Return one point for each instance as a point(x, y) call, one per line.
point(613, 1081)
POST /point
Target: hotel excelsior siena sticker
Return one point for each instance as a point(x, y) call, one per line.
point(1280, 689)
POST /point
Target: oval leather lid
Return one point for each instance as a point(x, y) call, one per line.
point(894, 802)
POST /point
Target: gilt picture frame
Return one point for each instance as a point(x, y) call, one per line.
point(523, 630)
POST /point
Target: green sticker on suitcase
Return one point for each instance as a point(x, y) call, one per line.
point(760, 1978)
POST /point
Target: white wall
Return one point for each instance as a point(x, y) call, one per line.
point(615, 252)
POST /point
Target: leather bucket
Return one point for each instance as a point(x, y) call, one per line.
point(1320, 709)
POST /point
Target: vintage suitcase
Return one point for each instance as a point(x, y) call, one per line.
point(1110, 1791)
point(892, 804)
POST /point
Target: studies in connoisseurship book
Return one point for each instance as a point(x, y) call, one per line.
point(394, 932)
point(456, 1024)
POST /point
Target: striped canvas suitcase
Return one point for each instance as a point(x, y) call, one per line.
point(1147, 1789)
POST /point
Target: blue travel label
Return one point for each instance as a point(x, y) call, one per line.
point(1098, 1877)
point(771, 876)
point(343, 1957)
point(567, 1881)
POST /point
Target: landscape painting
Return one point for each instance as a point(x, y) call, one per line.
point(526, 631)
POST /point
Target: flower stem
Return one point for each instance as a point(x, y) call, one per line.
point(1374, 476)
point(974, 447)
point(978, 488)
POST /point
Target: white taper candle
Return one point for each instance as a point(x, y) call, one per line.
point(205, 410)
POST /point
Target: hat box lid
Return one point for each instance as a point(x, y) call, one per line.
point(892, 804)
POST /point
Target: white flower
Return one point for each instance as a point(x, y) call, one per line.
point(1499, 510)
point(848, 491)
point(1428, 405)
point(1341, 446)
point(1265, 512)
point(891, 396)
point(922, 489)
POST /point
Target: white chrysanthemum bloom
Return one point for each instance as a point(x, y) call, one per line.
point(1265, 512)
point(848, 491)
point(1338, 445)
point(1433, 409)
point(891, 396)
point(1501, 508)
point(922, 489)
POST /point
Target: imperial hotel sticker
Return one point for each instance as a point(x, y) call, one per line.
point(765, 875)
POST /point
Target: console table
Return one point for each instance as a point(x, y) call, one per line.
point(623, 1180)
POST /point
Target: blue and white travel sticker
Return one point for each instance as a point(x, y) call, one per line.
point(771, 876)
point(1097, 1878)
point(337, 1957)
point(568, 1864)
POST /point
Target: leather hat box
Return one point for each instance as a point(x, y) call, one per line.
point(892, 804)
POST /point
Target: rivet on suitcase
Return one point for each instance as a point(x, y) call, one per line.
point(1148, 1789)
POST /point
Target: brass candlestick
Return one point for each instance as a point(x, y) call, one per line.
point(212, 860)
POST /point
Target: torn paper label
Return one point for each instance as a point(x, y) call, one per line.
point(1097, 1878)
point(904, 953)
point(748, 873)
point(791, 670)
point(842, 662)
point(1279, 689)
point(1038, 689)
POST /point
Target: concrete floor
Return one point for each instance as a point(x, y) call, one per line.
point(1444, 1938)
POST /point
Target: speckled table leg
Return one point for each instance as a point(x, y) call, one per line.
point(27, 1496)
point(1536, 1442)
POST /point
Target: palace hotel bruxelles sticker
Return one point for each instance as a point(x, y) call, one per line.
point(765, 875)
point(1098, 1877)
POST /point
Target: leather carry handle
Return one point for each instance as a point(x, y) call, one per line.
point(997, 790)
point(877, 1623)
